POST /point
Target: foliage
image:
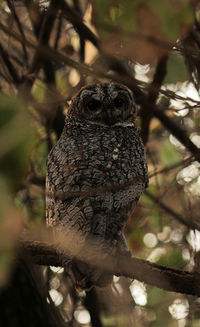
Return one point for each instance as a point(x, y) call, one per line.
point(125, 26)
point(48, 50)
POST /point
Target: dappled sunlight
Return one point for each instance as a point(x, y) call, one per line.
point(176, 235)
point(141, 72)
point(156, 254)
point(58, 270)
point(176, 142)
point(82, 316)
point(165, 234)
point(193, 239)
point(187, 174)
point(195, 138)
point(194, 188)
point(150, 240)
point(74, 77)
point(186, 254)
point(179, 309)
point(56, 297)
point(138, 291)
point(48, 51)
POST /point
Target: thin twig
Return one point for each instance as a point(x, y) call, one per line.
point(53, 55)
point(43, 39)
point(10, 67)
point(178, 132)
point(190, 224)
point(167, 169)
point(13, 11)
point(58, 33)
point(154, 89)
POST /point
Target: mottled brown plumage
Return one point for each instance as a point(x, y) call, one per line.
point(99, 149)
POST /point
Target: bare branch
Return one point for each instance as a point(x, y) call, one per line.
point(43, 39)
point(75, 18)
point(169, 279)
point(12, 9)
point(166, 169)
point(10, 67)
point(178, 132)
point(141, 98)
point(154, 89)
point(190, 224)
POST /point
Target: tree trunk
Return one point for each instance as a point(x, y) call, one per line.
point(23, 302)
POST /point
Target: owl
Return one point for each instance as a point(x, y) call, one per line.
point(96, 173)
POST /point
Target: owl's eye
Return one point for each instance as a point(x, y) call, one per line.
point(93, 105)
point(118, 102)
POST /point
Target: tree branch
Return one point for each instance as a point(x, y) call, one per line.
point(178, 132)
point(154, 90)
point(13, 10)
point(141, 98)
point(169, 279)
point(10, 67)
point(170, 211)
point(43, 39)
point(76, 20)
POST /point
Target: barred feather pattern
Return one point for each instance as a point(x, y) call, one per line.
point(99, 148)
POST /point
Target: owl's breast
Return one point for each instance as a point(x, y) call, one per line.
point(109, 158)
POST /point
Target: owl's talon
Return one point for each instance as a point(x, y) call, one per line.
point(126, 253)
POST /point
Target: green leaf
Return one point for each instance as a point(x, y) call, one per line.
point(136, 234)
point(168, 154)
point(172, 259)
point(146, 199)
point(176, 69)
point(62, 84)
point(155, 218)
point(11, 224)
point(141, 29)
point(173, 15)
point(39, 90)
point(112, 13)
point(155, 295)
point(15, 139)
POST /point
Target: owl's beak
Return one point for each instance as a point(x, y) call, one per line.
point(108, 111)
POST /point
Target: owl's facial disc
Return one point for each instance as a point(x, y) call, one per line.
point(106, 104)
point(116, 108)
point(93, 106)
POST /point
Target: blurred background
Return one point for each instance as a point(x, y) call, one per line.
point(48, 50)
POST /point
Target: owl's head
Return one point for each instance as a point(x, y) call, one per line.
point(104, 104)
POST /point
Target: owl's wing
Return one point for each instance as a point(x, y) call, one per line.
point(73, 214)
point(64, 205)
point(50, 203)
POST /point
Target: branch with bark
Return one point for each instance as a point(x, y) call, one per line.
point(169, 279)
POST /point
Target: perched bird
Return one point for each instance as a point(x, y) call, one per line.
point(96, 173)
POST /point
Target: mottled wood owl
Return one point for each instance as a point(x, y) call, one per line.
point(99, 168)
